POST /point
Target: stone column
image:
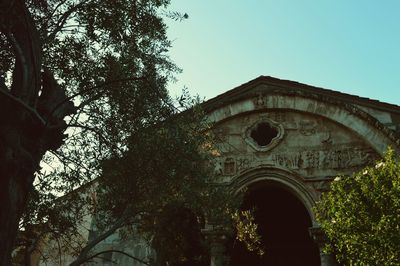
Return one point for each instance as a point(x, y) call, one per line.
point(319, 237)
point(217, 239)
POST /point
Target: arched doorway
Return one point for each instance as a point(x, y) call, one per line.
point(283, 224)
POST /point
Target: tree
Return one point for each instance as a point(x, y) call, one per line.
point(360, 215)
point(109, 58)
point(178, 239)
point(29, 125)
point(166, 166)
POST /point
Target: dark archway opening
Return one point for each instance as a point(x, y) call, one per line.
point(283, 224)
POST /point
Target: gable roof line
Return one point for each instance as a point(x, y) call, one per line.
point(225, 97)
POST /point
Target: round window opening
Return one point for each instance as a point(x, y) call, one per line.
point(263, 134)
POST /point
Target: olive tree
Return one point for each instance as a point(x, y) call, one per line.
point(360, 215)
point(109, 58)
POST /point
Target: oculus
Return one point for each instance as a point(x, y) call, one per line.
point(264, 134)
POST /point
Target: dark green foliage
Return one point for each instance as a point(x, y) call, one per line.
point(161, 186)
point(178, 239)
point(163, 163)
point(361, 215)
point(111, 59)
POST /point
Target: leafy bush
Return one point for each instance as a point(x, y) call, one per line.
point(360, 215)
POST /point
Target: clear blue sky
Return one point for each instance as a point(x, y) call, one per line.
point(352, 46)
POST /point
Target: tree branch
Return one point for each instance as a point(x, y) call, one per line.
point(22, 60)
point(117, 251)
point(61, 21)
point(21, 32)
point(25, 106)
point(99, 134)
point(84, 253)
point(64, 158)
point(92, 88)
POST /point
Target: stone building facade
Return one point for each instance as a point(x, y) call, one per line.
point(278, 135)
point(283, 142)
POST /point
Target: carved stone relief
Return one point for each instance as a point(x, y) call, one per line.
point(218, 170)
point(229, 166)
point(326, 138)
point(307, 127)
point(310, 146)
point(325, 159)
point(260, 101)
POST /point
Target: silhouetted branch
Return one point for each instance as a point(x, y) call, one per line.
point(25, 106)
point(118, 251)
point(63, 19)
point(92, 88)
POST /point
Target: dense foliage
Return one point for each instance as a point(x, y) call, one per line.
point(130, 147)
point(360, 215)
point(178, 239)
point(109, 58)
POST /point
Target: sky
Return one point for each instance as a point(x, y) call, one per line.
point(347, 46)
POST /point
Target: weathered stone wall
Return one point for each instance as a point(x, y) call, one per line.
point(317, 135)
point(312, 147)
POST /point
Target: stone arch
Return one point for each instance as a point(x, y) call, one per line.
point(267, 185)
point(376, 135)
point(281, 177)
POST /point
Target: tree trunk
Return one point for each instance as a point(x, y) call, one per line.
point(29, 124)
point(14, 193)
point(23, 142)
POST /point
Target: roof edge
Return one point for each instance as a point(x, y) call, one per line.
point(231, 95)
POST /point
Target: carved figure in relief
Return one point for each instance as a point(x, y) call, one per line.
point(311, 159)
point(242, 164)
point(292, 161)
point(307, 127)
point(326, 138)
point(325, 159)
point(260, 101)
point(217, 167)
point(229, 166)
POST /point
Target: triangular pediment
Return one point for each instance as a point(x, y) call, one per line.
point(311, 131)
point(270, 85)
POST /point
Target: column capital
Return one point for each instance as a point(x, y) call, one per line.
point(318, 236)
point(217, 237)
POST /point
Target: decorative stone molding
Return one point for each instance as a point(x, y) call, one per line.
point(278, 176)
point(376, 135)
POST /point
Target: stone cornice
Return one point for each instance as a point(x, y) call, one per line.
point(271, 82)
